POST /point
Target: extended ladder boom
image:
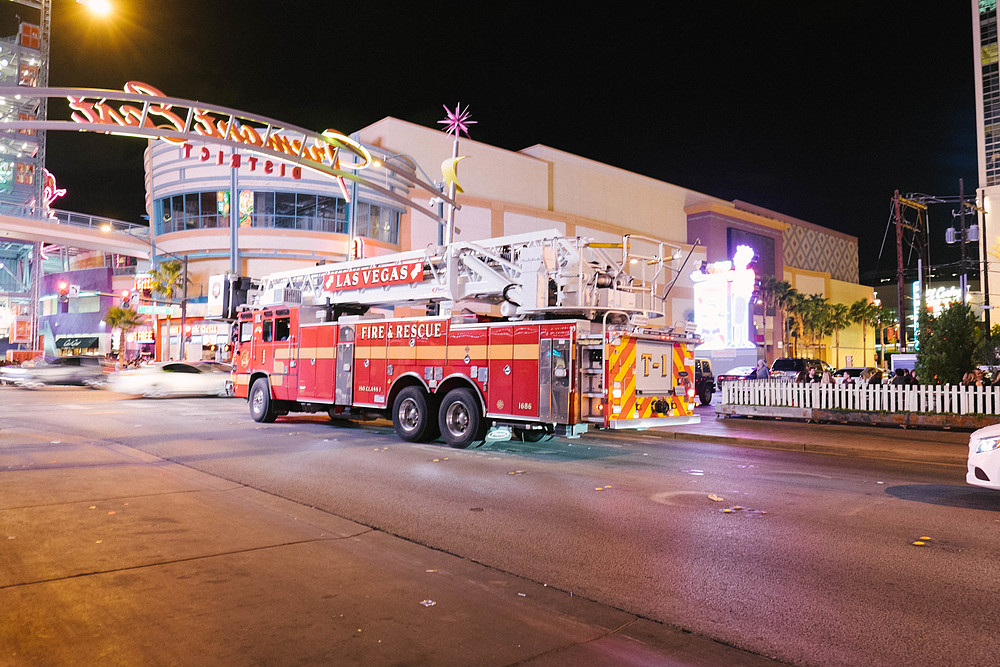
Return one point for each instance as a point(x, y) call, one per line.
point(526, 275)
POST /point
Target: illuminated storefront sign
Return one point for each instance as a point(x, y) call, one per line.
point(938, 299)
point(238, 161)
point(198, 329)
point(143, 282)
point(722, 294)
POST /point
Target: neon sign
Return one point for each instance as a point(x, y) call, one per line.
point(50, 192)
point(722, 293)
point(202, 124)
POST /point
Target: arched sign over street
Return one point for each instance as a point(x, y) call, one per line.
point(273, 147)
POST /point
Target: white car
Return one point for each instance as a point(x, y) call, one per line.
point(173, 378)
point(984, 457)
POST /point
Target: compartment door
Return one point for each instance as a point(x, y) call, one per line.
point(501, 371)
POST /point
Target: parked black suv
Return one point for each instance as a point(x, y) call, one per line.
point(787, 368)
point(704, 381)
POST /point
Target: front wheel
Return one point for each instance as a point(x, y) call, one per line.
point(261, 406)
point(460, 420)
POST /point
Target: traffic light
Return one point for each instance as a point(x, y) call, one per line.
point(63, 291)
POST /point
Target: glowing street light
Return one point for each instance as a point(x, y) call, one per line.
point(99, 7)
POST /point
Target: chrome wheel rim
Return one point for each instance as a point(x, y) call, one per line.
point(456, 418)
point(409, 414)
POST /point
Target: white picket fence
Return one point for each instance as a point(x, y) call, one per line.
point(940, 399)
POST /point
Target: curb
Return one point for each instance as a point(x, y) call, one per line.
point(940, 457)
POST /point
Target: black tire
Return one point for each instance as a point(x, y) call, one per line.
point(705, 396)
point(261, 405)
point(460, 420)
point(533, 435)
point(412, 416)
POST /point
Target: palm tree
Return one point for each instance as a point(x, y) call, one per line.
point(166, 278)
point(774, 294)
point(865, 313)
point(123, 320)
point(794, 307)
point(839, 316)
point(815, 321)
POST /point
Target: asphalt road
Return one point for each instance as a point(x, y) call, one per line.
point(806, 558)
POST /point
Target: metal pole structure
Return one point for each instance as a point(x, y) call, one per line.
point(449, 232)
point(899, 272)
point(984, 266)
point(234, 224)
point(184, 308)
point(963, 283)
point(45, 38)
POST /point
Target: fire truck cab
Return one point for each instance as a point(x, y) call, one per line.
point(565, 344)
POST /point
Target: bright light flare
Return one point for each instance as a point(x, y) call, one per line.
point(99, 7)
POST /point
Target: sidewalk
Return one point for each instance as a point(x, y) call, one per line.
point(894, 443)
point(112, 556)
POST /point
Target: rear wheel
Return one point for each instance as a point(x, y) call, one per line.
point(460, 420)
point(261, 405)
point(412, 417)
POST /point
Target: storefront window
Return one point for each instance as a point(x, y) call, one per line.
point(282, 210)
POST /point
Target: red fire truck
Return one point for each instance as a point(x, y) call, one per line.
point(534, 335)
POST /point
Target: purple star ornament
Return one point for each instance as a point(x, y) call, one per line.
point(457, 120)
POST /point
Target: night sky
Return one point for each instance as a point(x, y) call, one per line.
point(816, 110)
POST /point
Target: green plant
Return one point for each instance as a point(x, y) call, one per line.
point(947, 343)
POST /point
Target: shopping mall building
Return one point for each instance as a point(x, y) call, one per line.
point(294, 218)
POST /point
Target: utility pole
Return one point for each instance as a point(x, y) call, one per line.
point(899, 271)
point(963, 280)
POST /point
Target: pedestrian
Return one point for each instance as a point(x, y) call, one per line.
point(762, 372)
point(968, 379)
point(827, 378)
point(811, 376)
point(913, 377)
point(848, 380)
point(899, 379)
point(801, 377)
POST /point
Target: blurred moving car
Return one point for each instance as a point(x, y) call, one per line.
point(704, 380)
point(11, 373)
point(86, 371)
point(841, 374)
point(787, 369)
point(738, 373)
point(173, 378)
point(984, 457)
